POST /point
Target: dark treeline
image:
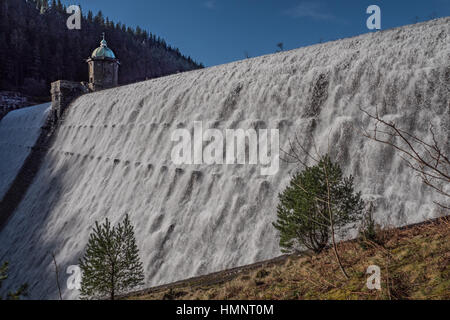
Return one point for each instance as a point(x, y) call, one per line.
point(37, 48)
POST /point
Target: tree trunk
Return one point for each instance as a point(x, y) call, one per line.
point(330, 213)
point(112, 282)
point(57, 276)
point(335, 250)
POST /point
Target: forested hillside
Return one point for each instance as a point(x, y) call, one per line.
point(36, 47)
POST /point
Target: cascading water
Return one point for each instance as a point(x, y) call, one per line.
point(112, 155)
point(19, 131)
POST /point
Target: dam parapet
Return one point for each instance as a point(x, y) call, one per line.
point(63, 93)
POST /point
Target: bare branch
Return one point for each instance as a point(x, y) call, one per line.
point(427, 159)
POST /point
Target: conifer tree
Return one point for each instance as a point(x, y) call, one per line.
point(59, 6)
point(111, 263)
point(37, 49)
point(16, 295)
point(318, 200)
point(44, 6)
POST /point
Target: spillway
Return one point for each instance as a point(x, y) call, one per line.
point(112, 155)
point(19, 131)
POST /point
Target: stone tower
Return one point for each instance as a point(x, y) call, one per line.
point(103, 68)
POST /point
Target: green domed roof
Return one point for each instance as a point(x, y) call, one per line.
point(103, 51)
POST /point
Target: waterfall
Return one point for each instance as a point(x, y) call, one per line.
point(19, 131)
point(112, 154)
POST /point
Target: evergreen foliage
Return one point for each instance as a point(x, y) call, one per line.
point(303, 214)
point(368, 230)
point(16, 295)
point(111, 263)
point(37, 48)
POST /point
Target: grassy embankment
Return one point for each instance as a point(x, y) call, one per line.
point(414, 263)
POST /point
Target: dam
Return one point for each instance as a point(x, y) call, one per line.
point(112, 154)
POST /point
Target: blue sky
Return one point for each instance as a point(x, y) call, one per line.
point(220, 31)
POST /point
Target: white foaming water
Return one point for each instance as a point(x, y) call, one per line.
point(112, 154)
point(19, 131)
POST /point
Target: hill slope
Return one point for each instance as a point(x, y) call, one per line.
point(414, 263)
point(112, 155)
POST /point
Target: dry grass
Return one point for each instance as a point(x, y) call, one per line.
point(414, 265)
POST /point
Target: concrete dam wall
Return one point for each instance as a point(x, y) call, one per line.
point(19, 131)
point(112, 154)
